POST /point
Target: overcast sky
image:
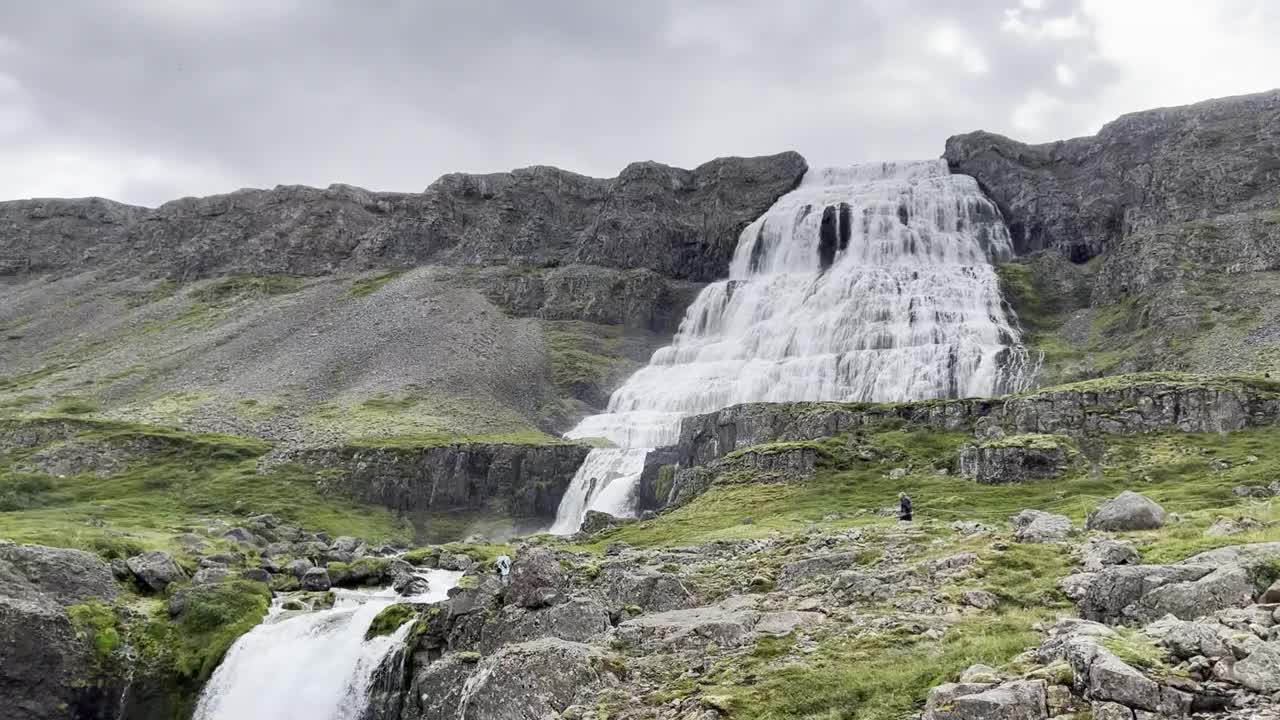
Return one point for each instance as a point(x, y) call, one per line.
point(148, 100)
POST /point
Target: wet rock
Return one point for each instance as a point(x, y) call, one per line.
point(410, 584)
point(316, 579)
point(1034, 526)
point(536, 580)
point(1127, 511)
point(347, 544)
point(155, 569)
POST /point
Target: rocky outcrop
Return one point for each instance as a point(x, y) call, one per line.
point(1143, 170)
point(680, 223)
point(526, 481)
point(1017, 458)
point(47, 666)
point(1121, 405)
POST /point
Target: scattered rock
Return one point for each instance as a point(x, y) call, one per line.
point(242, 535)
point(1034, 526)
point(980, 599)
point(316, 578)
point(257, 575)
point(1098, 553)
point(155, 569)
point(1127, 511)
point(299, 567)
point(455, 562)
point(211, 575)
point(594, 521)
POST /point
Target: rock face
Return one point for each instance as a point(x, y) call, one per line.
point(679, 223)
point(1137, 404)
point(44, 665)
point(1146, 169)
point(1017, 458)
point(1127, 511)
point(526, 481)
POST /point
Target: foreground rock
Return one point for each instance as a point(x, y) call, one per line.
point(156, 569)
point(45, 667)
point(1034, 526)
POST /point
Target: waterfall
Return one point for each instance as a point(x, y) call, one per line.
point(865, 283)
point(310, 665)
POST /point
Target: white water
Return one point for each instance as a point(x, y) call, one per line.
point(313, 665)
point(907, 308)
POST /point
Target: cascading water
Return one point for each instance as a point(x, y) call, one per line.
point(866, 283)
point(310, 666)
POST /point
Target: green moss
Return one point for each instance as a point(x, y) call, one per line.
point(390, 619)
point(96, 623)
point(74, 406)
point(1034, 441)
point(369, 285)
point(425, 440)
point(665, 480)
point(1139, 651)
point(236, 287)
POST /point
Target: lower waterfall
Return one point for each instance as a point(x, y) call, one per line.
point(866, 283)
point(310, 665)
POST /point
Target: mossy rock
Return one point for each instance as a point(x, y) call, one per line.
point(390, 619)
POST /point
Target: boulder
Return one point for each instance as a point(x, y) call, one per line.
point(211, 575)
point(46, 668)
point(457, 562)
point(594, 521)
point(64, 576)
point(1110, 678)
point(257, 575)
point(1018, 700)
point(347, 544)
point(1260, 670)
point(1034, 526)
point(1127, 511)
point(535, 679)
point(1098, 553)
point(537, 579)
point(798, 572)
point(581, 618)
point(980, 599)
point(242, 535)
point(316, 578)
point(646, 589)
point(410, 584)
point(155, 569)
point(727, 624)
point(1271, 594)
point(298, 567)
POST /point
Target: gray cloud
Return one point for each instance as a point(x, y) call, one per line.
point(147, 100)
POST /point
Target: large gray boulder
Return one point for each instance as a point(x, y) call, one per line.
point(537, 579)
point(1127, 511)
point(581, 618)
point(1260, 670)
point(316, 579)
point(647, 589)
point(1101, 552)
point(36, 572)
point(1035, 526)
point(536, 679)
point(1018, 700)
point(155, 569)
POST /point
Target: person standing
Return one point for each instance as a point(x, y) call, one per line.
point(904, 507)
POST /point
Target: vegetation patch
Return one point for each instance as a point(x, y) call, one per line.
point(390, 619)
point(174, 480)
point(238, 287)
point(369, 285)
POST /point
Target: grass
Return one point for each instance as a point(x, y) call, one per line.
point(369, 285)
point(1183, 472)
point(882, 676)
point(173, 481)
point(418, 415)
point(237, 287)
point(74, 406)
